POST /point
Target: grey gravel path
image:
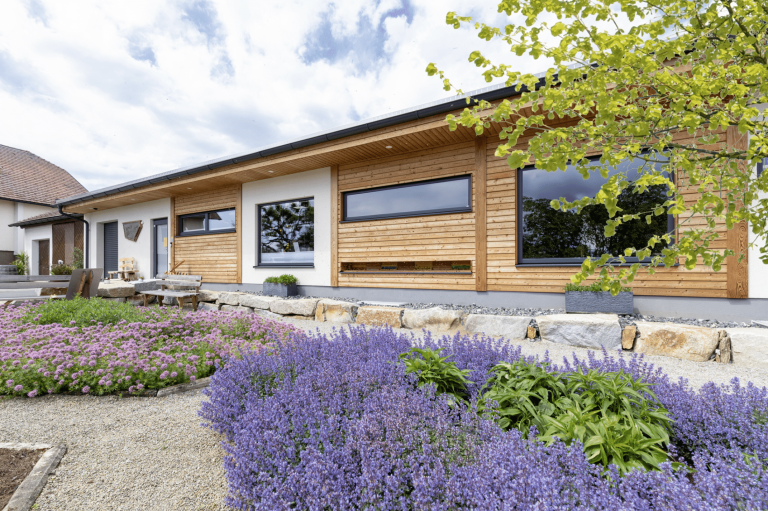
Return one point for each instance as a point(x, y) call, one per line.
point(123, 454)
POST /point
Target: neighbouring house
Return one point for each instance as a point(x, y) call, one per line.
point(396, 208)
point(29, 218)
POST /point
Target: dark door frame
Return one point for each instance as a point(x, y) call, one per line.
point(155, 223)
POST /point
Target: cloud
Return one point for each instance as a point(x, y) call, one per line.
point(113, 91)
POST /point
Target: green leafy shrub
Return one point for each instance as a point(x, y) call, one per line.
point(595, 287)
point(61, 269)
point(286, 280)
point(77, 258)
point(432, 369)
point(84, 312)
point(22, 263)
point(617, 418)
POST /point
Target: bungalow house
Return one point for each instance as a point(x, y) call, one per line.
point(397, 208)
point(29, 218)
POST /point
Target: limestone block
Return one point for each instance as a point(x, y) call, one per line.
point(229, 298)
point(116, 289)
point(170, 300)
point(628, 337)
point(236, 308)
point(432, 319)
point(146, 285)
point(585, 330)
point(204, 306)
point(336, 311)
point(300, 307)
point(206, 295)
point(267, 314)
point(679, 341)
point(511, 327)
point(380, 316)
point(257, 302)
point(138, 299)
point(749, 347)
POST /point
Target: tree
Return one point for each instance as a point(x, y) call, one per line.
point(658, 80)
point(285, 225)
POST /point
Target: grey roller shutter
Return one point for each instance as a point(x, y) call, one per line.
point(110, 247)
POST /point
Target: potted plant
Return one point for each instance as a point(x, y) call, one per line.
point(284, 285)
point(592, 299)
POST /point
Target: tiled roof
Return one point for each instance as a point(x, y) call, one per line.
point(27, 177)
point(51, 216)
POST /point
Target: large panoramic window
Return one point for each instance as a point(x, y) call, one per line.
point(438, 196)
point(287, 233)
point(210, 222)
point(549, 236)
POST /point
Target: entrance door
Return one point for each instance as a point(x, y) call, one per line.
point(43, 257)
point(160, 244)
point(110, 247)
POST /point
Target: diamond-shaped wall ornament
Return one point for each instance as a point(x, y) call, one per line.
point(132, 229)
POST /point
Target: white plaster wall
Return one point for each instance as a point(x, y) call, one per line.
point(758, 271)
point(313, 183)
point(32, 237)
point(141, 249)
point(7, 234)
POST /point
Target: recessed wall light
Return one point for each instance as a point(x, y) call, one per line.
point(271, 171)
point(188, 188)
point(389, 147)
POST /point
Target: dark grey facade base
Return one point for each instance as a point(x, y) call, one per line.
point(595, 302)
point(722, 309)
point(280, 289)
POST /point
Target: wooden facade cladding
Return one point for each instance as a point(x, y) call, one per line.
point(217, 257)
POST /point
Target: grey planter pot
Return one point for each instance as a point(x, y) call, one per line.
point(280, 289)
point(8, 269)
point(599, 302)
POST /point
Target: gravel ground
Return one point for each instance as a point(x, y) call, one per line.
point(152, 453)
point(122, 454)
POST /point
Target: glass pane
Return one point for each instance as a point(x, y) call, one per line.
point(425, 197)
point(193, 223)
point(288, 232)
point(161, 248)
point(548, 233)
point(221, 220)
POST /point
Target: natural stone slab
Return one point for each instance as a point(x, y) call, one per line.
point(25, 495)
point(208, 306)
point(236, 308)
point(380, 316)
point(184, 387)
point(116, 289)
point(336, 311)
point(532, 332)
point(139, 299)
point(512, 327)
point(628, 337)
point(267, 314)
point(206, 295)
point(230, 298)
point(257, 301)
point(749, 347)
point(585, 330)
point(432, 319)
point(300, 307)
point(170, 300)
point(146, 285)
point(675, 340)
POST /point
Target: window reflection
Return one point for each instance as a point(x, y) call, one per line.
point(552, 234)
point(287, 233)
point(193, 223)
point(221, 220)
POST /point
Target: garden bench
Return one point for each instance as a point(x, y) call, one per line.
point(82, 282)
point(189, 283)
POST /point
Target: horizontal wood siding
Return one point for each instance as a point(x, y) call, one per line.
point(426, 238)
point(214, 256)
point(503, 275)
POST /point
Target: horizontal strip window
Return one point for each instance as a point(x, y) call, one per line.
point(550, 237)
point(433, 197)
point(286, 233)
point(210, 222)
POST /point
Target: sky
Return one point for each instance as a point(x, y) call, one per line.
point(113, 91)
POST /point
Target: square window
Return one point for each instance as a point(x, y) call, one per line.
point(287, 233)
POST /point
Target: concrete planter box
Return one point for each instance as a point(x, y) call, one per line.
point(280, 289)
point(599, 302)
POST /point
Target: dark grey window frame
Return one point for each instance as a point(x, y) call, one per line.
point(561, 261)
point(205, 231)
point(426, 212)
point(259, 264)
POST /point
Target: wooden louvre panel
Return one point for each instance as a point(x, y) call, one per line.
point(214, 256)
point(65, 239)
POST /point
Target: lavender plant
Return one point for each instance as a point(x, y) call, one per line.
point(336, 422)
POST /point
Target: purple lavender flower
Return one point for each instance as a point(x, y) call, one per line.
point(18, 388)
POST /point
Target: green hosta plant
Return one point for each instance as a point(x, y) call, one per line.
point(432, 369)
